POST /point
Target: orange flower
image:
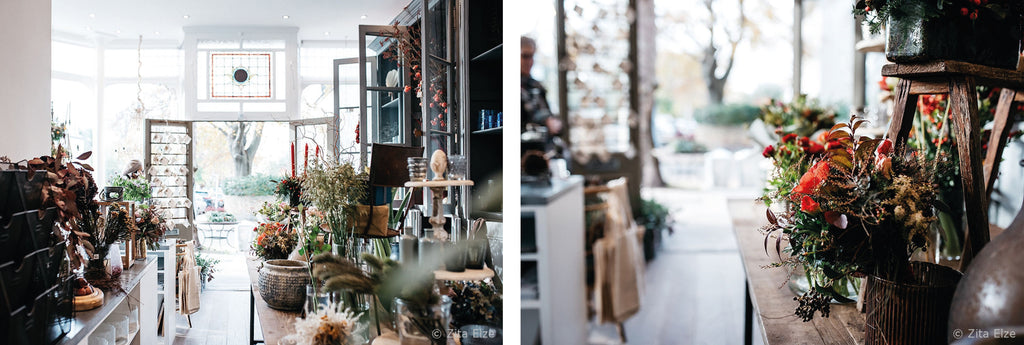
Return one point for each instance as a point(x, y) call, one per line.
point(808, 205)
point(812, 179)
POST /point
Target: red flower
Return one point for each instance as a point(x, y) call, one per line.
point(808, 205)
point(803, 142)
point(768, 151)
point(884, 147)
point(964, 11)
point(408, 88)
point(812, 179)
point(974, 15)
point(815, 148)
point(788, 138)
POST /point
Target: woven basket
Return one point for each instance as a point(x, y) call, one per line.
point(282, 283)
point(899, 313)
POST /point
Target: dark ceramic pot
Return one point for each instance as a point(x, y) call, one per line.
point(901, 313)
point(989, 40)
point(991, 295)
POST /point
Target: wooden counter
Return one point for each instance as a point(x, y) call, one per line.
point(771, 301)
point(276, 324)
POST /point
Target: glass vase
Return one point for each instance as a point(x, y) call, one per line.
point(423, 324)
point(800, 283)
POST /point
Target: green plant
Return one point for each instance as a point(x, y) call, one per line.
point(253, 185)
point(207, 267)
point(654, 216)
point(135, 189)
point(727, 114)
point(222, 217)
point(877, 12)
point(688, 145)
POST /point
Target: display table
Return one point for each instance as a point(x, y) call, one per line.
point(276, 324)
point(770, 300)
point(220, 231)
point(467, 275)
point(139, 281)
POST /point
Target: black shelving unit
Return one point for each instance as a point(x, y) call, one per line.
point(484, 46)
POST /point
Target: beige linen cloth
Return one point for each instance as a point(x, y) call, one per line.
point(188, 282)
point(618, 260)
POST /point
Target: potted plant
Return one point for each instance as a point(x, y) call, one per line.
point(289, 189)
point(985, 32)
point(863, 209)
point(802, 116)
point(207, 267)
point(335, 189)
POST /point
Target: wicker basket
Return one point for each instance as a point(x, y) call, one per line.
point(282, 283)
point(900, 313)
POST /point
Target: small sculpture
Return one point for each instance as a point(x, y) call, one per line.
point(438, 164)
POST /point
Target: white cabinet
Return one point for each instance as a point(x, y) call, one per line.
point(140, 283)
point(554, 286)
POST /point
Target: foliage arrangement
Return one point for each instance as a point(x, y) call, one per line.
point(289, 187)
point(387, 280)
point(252, 185)
point(792, 157)
point(933, 139)
point(207, 267)
point(335, 189)
point(802, 116)
point(878, 12)
point(57, 131)
point(474, 303)
point(276, 212)
point(135, 189)
point(151, 224)
point(273, 241)
point(70, 188)
point(864, 208)
point(222, 217)
point(727, 114)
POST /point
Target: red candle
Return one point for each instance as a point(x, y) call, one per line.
point(318, 151)
point(305, 159)
point(293, 159)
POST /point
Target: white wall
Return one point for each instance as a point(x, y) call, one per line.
point(24, 78)
point(836, 51)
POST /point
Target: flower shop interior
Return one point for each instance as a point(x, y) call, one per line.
point(771, 172)
point(245, 172)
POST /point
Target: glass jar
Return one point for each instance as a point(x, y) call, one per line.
point(423, 324)
point(458, 167)
point(417, 168)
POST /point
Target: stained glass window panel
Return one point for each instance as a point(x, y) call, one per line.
point(240, 75)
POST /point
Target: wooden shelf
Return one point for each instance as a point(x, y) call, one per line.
point(495, 130)
point(439, 183)
point(468, 275)
point(493, 54)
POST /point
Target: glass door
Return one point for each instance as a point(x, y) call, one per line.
point(348, 112)
point(385, 104)
point(313, 138)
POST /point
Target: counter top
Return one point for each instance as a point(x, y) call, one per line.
point(85, 322)
point(535, 193)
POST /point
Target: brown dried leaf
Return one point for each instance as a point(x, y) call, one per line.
point(85, 156)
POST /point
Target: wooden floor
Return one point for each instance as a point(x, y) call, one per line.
point(694, 287)
point(224, 308)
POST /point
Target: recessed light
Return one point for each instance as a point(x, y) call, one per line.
point(156, 32)
point(286, 16)
point(88, 28)
point(92, 15)
point(186, 16)
point(327, 33)
point(118, 32)
point(362, 17)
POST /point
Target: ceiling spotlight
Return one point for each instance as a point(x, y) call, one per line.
point(92, 15)
point(156, 32)
point(186, 16)
point(88, 28)
point(362, 17)
point(286, 16)
point(327, 33)
point(118, 32)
